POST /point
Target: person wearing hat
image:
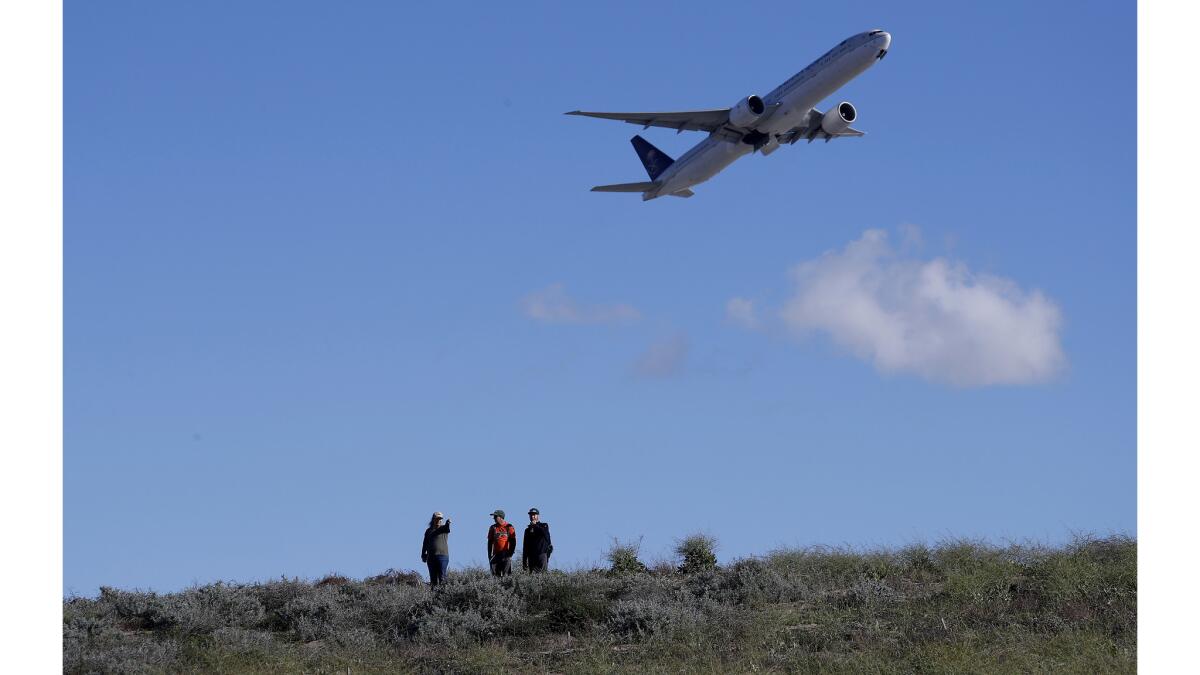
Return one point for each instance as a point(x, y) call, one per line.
point(435, 549)
point(535, 557)
point(501, 543)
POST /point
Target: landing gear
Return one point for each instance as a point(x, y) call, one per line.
point(756, 139)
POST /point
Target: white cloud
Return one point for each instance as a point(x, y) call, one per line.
point(663, 358)
point(742, 312)
point(553, 305)
point(933, 318)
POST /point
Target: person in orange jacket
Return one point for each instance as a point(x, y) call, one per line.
point(501, 544)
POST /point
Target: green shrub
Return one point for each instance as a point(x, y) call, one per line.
point(623, 557)
point(918, 564)
point(696, 553)
point(391, 611)
point(452, 628)
point(560, 603)
point(641, 618)
point(752, 582)
point(320, 613)
point(468, 608)
point(203, 609)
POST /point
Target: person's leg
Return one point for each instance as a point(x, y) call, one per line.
point(434, 570)
point(542, 562)
point(443, 566)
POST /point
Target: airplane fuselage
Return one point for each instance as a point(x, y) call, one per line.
point(788, 105)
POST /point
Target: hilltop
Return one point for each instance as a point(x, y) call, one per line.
point(958, 606)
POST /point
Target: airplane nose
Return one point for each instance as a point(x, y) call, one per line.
point(884, 41)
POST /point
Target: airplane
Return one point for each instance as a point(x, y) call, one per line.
point(755, 124)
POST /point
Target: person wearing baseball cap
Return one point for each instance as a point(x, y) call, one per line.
point(501, 543)
point(535, 557)
point(435, 549)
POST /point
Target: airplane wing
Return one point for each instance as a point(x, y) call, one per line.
point(692, 120)
point(811, 130)
point(717, 122)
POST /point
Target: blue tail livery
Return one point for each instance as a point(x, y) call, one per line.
point(656, 161)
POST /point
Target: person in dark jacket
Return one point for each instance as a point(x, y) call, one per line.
point(535, 557)
point(435, 549)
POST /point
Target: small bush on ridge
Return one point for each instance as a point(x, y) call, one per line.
point(623, 557)
point(696, 553)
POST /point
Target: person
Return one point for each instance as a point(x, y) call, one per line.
point(535, 556)
point(501, 542)
point(435, 549)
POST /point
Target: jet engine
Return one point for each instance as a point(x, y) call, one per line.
point(837, 119)
point(747, 111)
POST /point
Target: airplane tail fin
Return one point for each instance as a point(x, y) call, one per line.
point(656, 161)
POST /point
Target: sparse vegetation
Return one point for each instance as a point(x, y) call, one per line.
point(623, 557)
point(696, 553)
point(959, 606)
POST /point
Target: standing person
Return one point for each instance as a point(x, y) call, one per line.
point(535, 557)
point(501, 543)
point(435, 549)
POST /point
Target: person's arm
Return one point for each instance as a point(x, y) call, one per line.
point(425, 546)
point(512, 547)
point(549, 544)
point(491, 529)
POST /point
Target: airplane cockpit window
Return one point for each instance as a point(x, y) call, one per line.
point(874, 33)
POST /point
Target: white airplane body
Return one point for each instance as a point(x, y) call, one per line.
point(784, 116)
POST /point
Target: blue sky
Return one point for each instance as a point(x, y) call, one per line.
point(304, 244)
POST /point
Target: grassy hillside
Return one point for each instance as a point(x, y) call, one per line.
point(955, 607)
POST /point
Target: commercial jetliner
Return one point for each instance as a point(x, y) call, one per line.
point(786, 115)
